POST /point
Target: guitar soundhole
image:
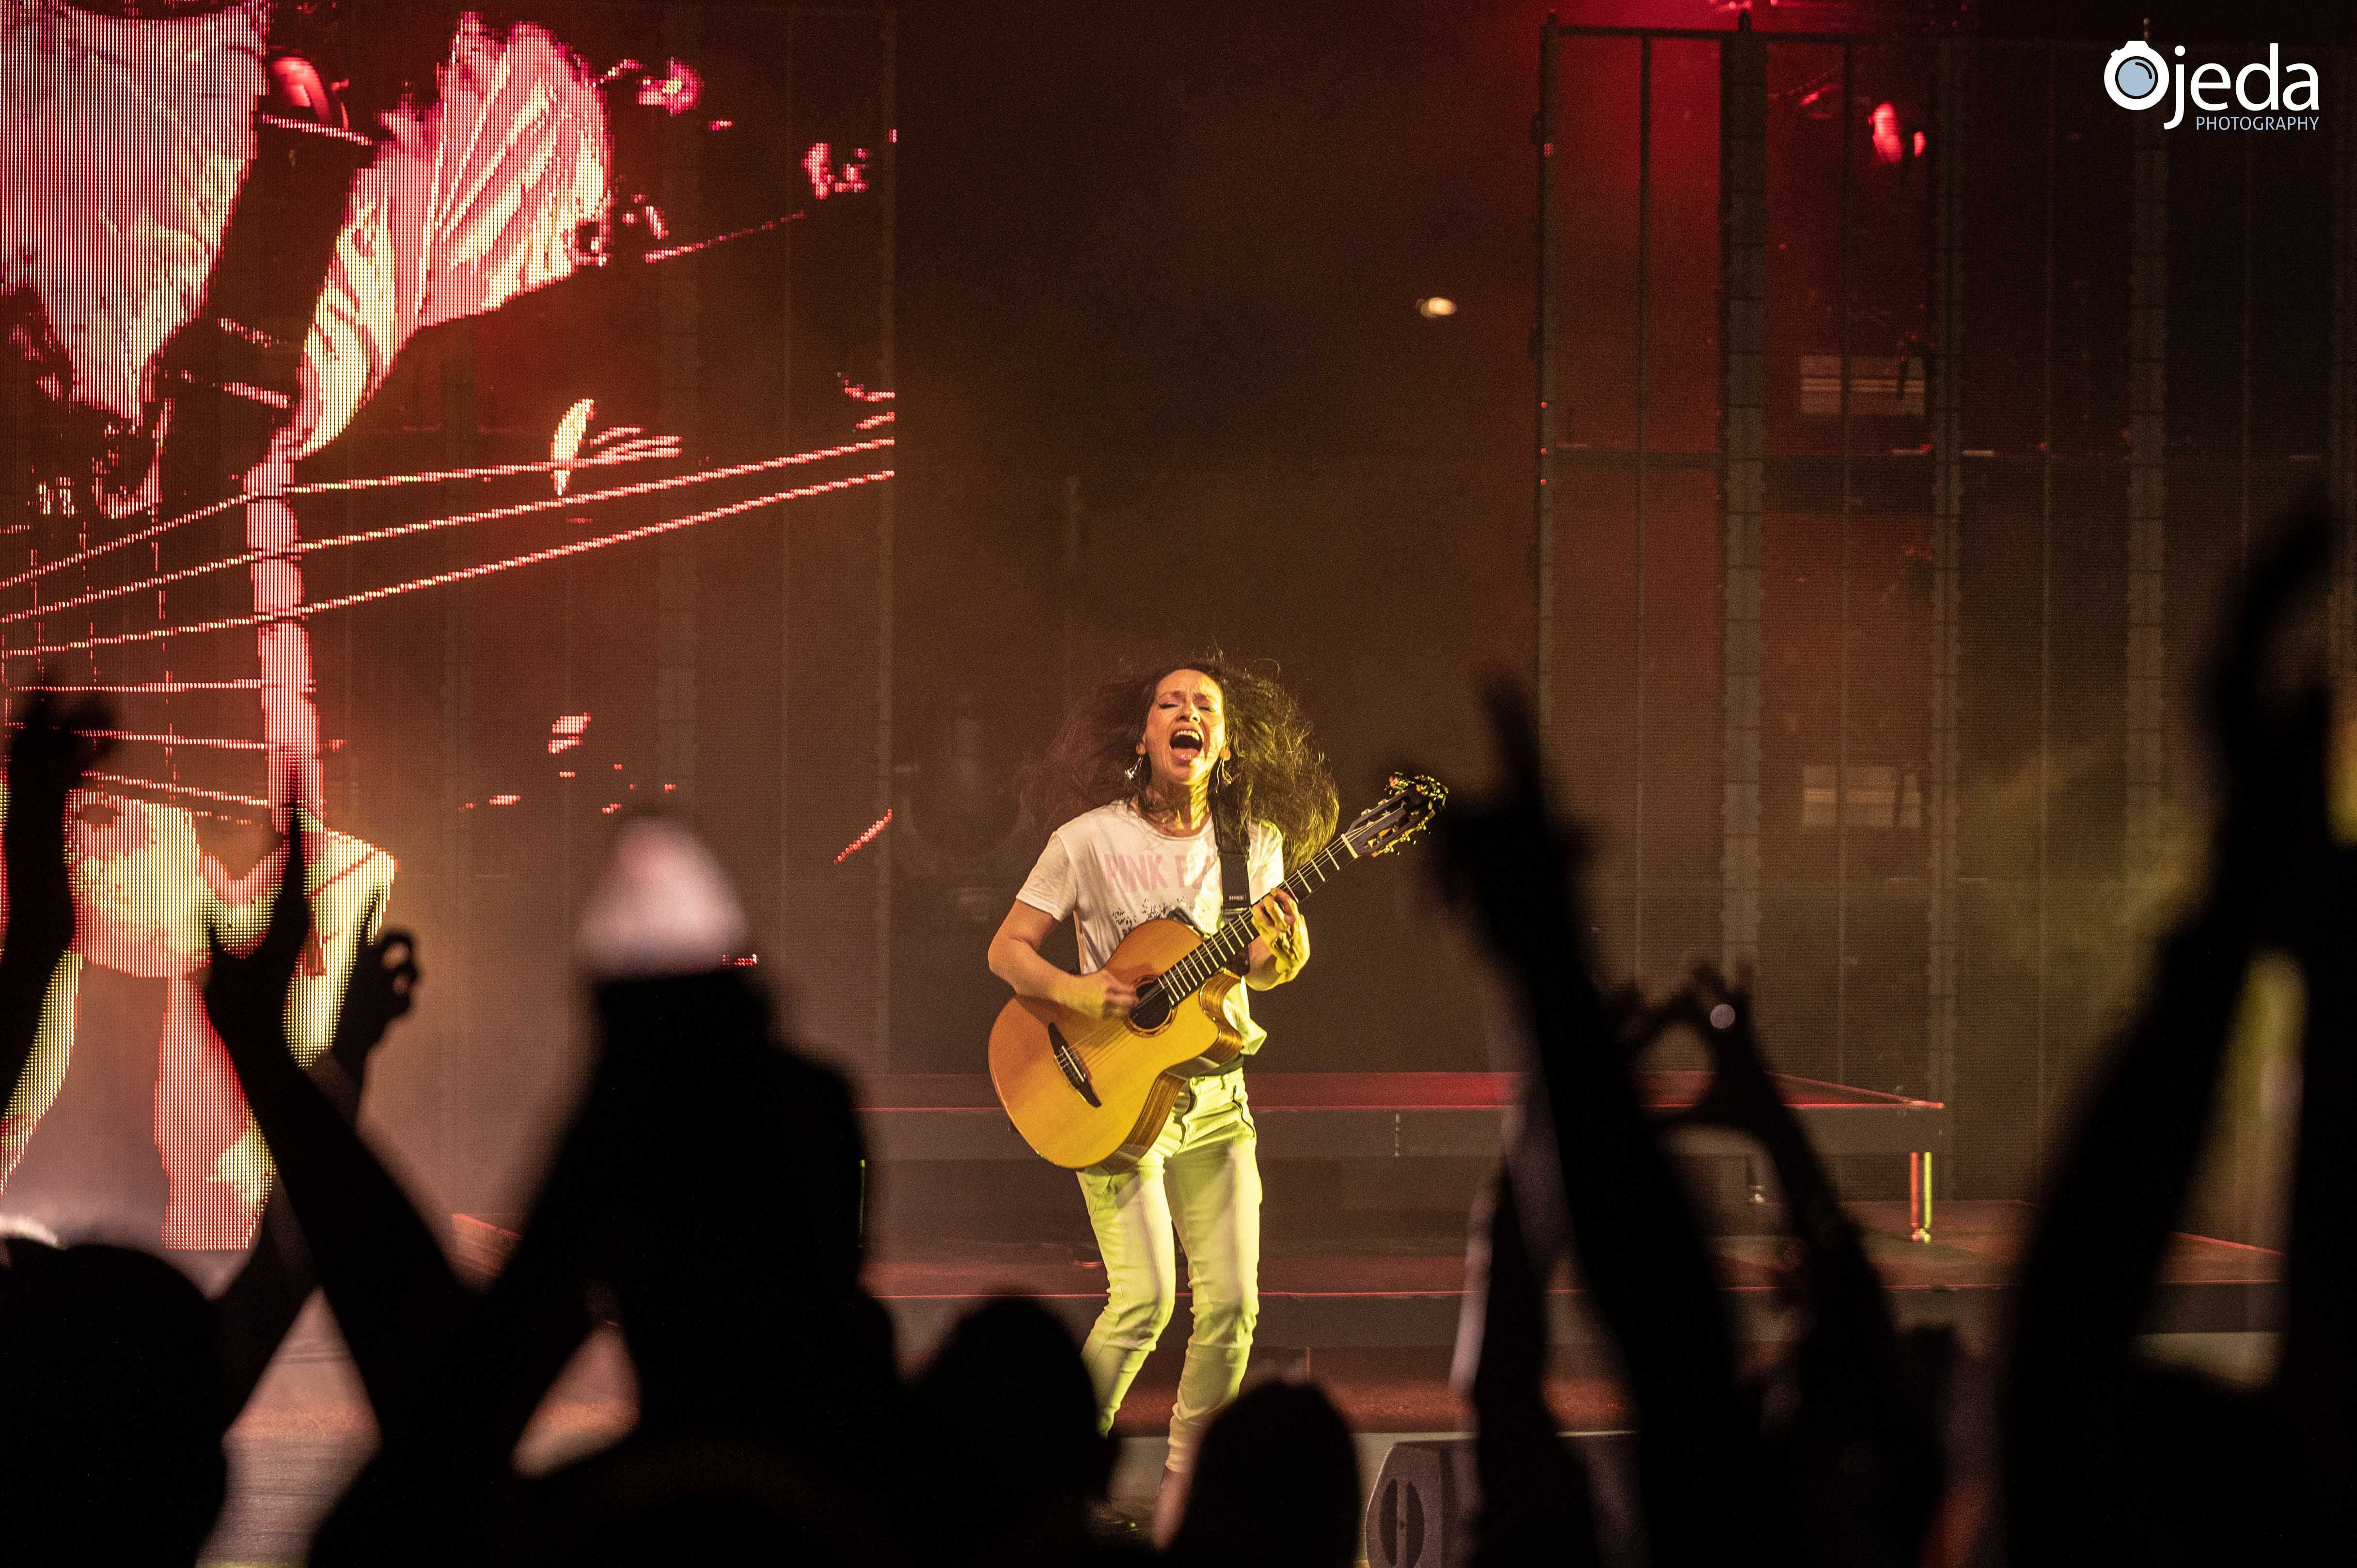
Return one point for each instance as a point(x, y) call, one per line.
point(1153, 1009)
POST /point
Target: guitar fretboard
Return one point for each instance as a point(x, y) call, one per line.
point(1218, 950)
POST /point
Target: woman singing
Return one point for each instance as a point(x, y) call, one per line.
point(1150, 778)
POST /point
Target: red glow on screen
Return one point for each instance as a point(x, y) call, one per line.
point(1884, 122)
point(828, 178)
point(1919, 144)
point(864, 839)
point(674, 93)
point(190, 790)
point(513, 167)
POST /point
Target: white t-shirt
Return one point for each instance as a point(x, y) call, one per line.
point(1113, 871)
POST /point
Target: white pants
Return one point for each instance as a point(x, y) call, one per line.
point(1202, 1175)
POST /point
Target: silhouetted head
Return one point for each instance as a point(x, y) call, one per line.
point(662, 906)
point(1009, 1401)
point(111, 1450)
point(720, 1173)
point(726, 1187)
point(704, 1500)
point(1276, 1486)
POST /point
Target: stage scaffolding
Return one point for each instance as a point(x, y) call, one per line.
point(1904, 410)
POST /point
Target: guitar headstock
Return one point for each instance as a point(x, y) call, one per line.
point(1412, 801)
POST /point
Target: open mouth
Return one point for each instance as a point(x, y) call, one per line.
point(1186, 745)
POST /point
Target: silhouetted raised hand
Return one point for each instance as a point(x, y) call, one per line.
point(253, 1314)
point(384, 982)
point(47, 757)
point(1510, 862)
point(1707, 1496)
point(2107, 1459)
point(245, 994)
point(1861, 1442)
point(395, 1294)
point(1742, 1097)
point(2316, 1378)
point(1538, 1507)
point(2275, 847)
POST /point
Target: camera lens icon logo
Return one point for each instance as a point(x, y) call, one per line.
point(2136, 76)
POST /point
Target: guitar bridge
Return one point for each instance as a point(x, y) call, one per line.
point(1075, 1073)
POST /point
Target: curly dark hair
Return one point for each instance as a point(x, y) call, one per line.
point(1278, 775)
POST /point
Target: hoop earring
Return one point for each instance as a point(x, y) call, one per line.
point(1134, 766)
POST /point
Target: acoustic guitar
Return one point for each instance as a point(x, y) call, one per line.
point(1095, 1091)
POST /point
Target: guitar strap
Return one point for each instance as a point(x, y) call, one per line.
point(1235, 887)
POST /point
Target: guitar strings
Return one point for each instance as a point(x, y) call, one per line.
point(323, 487)
point(1219, 941)
point(397, 531)
point(317, 607)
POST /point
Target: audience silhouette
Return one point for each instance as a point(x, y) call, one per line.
point(1276, 1486)
point(2109, 1458)
point(1011, 1420)
point(122, 1376)
point(707, 1198)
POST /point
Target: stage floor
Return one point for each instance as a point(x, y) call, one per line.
point(1404, 1292)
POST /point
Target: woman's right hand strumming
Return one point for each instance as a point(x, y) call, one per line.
point(1100, 995)
point(1014, 958)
